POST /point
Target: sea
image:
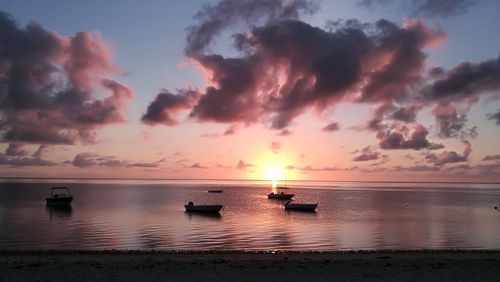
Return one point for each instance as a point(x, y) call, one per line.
point(150, 215)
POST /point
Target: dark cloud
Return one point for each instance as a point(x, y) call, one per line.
point(466, 81)
point(311, 67)
point(275, 147)
point(15, 150)
point(165, 104)
point(450, 156)
point(42, 149)
point(426, 8)
point(212, 19)
point(495, 117)
point(84, 160)
point(449, 122)
point(24, 161)
point(49, 85)
point(234, 99)
point(15, 155)
point(403, 137)
point(334, 126)
point(405, 114)
point(492, 158)
point(367, 154)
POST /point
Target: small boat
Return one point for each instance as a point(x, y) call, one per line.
point(190, 207)
point(215, 191)
point(300, 207)
point(59, 196)
point(280, 196)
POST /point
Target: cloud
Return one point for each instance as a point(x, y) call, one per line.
point(15, 150)
point(275, 147)
point(404, 138)
point(492, 158)
point(198, 165)
point(334, 126)
point(50, 84)
point(447, 157)
point(367, 154)
point(212, 19)
point(465, 81)
point(285, 132)
point(83, 160)
point(165, 104)
point(311, 67)
point(24, 161)
point(243, 166)
point(417, 168)
point(405, 114)
point(452, 124)
point(15, 156)
point(426, 8)
point(231, 130)
point(42, 149)
point(495, 117)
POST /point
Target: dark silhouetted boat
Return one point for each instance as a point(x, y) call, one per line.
point(280, 195)
point(59, 196)
point(215, 191)
point(190, 207)
point(300, 207)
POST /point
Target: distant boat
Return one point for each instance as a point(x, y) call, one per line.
point(300, 207)
point(190, 207)
point(280, 196)
point(215, 191)
point(59, 196)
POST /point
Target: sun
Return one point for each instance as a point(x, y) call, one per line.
point(274, 173)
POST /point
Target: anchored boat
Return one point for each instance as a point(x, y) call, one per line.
point(280, 196)
point(59, 196)
point(300, 207)
point(191, 207)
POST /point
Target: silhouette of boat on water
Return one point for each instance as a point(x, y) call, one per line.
point(191, 207)
point(215, 191)
point(59, 196)
point(300, 206)
point(280, 195)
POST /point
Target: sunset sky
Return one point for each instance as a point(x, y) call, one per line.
point(324, 90)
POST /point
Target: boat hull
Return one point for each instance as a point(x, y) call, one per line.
point(203, 208)
point(215, 191)
point(301, 207)
point(280, 196)
point(59, 201)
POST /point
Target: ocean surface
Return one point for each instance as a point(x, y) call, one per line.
point(144, 215)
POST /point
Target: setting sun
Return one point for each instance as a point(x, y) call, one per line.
point(274, 173)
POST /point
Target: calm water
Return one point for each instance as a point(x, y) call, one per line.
point(150, 215)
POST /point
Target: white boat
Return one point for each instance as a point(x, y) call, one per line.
point(190, 207)
point(299, 206)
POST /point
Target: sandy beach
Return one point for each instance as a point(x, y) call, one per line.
point(251, 266)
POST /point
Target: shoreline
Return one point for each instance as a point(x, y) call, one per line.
point(216, 265)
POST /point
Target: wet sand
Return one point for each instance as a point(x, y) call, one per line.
point(250, 266)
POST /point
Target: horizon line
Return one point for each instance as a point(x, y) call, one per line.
point(235, 179)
